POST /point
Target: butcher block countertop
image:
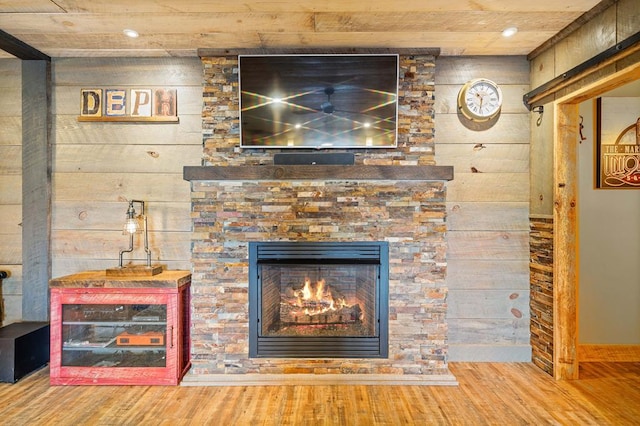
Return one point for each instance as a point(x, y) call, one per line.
point(99, 279)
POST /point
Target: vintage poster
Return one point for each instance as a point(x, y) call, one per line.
point(618, 142)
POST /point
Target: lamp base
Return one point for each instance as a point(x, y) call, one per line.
point(134, 271)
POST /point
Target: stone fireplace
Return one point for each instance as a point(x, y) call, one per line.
point(397, 197)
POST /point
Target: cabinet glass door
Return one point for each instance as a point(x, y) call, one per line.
point(114, 335)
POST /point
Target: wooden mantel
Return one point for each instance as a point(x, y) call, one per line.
point(318, 172)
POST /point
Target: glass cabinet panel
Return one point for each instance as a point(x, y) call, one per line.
point(114, 335)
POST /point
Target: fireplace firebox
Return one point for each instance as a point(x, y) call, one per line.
point(318, 299)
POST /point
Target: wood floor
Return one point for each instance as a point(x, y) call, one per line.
point(493, 394)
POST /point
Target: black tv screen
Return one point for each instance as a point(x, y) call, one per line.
point(318, 101)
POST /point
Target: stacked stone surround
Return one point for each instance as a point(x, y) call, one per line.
point(541, 282)
point(410, 215)
point(220, 117)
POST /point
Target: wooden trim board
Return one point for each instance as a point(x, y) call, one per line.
point(609, 353)
point(565, 243)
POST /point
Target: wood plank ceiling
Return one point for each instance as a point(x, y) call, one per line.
point(94, 28)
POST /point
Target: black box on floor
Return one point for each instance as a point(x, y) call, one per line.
point(24, 347)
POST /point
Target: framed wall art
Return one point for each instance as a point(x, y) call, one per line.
point(617, 142)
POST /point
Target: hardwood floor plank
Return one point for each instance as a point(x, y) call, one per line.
point(487, 394)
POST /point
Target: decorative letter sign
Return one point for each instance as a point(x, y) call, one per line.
point(141, 102)
point(115, 102)
point(165, 102)
point(91, 102)
point(149, 105)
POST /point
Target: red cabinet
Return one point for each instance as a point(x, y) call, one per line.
point(120, 330)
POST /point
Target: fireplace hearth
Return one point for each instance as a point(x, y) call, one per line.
point(318, 299)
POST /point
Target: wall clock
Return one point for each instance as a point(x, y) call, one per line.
point(480, 100)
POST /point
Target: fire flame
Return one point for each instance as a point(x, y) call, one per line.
point(318, 298)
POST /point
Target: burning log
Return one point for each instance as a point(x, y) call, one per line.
point(317, 304)
point(292, 314)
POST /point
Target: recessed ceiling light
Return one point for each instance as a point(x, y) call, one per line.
point(130, 33)
point(508, 32)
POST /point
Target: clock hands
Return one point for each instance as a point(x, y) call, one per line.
point(482, 96)
point(478, 95)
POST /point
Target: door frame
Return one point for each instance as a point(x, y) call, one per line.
point(565, 218)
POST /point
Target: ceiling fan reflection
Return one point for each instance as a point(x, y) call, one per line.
point(326, 107)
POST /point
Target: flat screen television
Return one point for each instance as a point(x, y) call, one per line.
point(318, 101)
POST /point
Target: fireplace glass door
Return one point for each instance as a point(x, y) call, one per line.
point(318, 299)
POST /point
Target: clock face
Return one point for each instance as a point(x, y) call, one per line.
point(480, 100)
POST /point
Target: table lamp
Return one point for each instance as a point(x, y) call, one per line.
point(135, 224)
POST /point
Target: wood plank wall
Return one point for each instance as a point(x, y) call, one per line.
point(487, 206)
point(11, 189)
point(98, 166)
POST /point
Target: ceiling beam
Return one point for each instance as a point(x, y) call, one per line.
point(19, 49)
